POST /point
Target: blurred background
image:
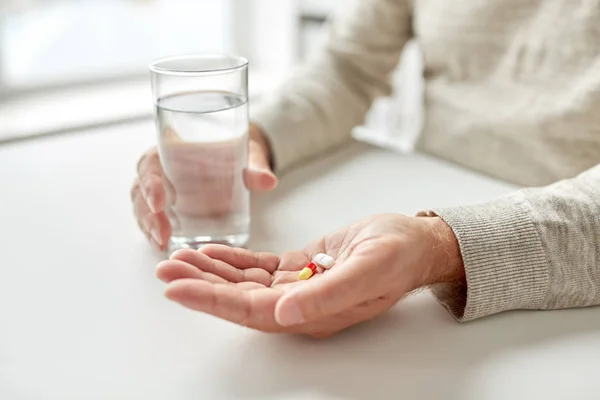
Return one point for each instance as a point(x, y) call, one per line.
point(71, 64)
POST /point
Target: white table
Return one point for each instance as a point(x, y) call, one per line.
point(82, 315)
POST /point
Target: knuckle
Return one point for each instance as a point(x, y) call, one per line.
point(153, 159)
point(148, 158)
point(152, 183)
point(152, 152)
point(135, 190)
point(147, 185)
point(140, 164)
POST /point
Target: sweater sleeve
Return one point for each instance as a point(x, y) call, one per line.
point(319, 104)
point(537, 248)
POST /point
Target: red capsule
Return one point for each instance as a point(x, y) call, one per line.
point(308, 271)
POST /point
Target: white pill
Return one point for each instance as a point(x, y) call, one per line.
point(323, 260)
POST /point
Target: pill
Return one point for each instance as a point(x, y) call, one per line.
point(307, 271)
point(323, 260)
point(305, 274)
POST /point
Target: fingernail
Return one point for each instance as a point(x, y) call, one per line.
point(289, 314)
point(151, 204)
point(156, 236)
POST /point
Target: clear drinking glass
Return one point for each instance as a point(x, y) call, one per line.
point(201, 110)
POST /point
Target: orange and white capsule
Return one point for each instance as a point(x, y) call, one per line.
point(321, 260)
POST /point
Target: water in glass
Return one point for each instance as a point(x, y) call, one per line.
point(203, 146)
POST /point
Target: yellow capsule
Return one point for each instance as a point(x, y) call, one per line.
point(305, 274)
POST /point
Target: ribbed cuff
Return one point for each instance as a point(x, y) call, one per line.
point(505, 264)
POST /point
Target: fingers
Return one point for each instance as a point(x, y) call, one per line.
point(259, 180)
point(149, 163)
point(251, 305)
point(225, 271)
point(170, 270)
point(153, 192)
point(290, 264)
point(252, 308)
point(241, 258)
point(259, 177)
point(149, 199)
point(151, 180)
point(155, 226)
point(338, 290)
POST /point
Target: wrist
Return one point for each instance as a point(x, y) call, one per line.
point(446, 264)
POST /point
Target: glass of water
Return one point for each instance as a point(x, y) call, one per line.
point(201, 110)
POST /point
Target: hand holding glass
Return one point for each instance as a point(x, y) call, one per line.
point(202, 123)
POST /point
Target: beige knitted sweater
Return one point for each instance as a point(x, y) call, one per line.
point(512, 89)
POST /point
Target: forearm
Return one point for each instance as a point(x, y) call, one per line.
point(317, 107)
point(533, 249)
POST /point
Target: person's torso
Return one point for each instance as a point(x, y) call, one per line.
point(512, 87)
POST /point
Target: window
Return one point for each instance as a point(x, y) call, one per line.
point(48, 43)
point(71, 64)
point(79, 63)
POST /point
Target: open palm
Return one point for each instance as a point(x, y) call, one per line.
point(374, 268)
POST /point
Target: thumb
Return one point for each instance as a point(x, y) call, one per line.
point(259, 176)
point(336, 291)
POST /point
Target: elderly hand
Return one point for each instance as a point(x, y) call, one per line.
point(377, 262)
point(152, 190)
